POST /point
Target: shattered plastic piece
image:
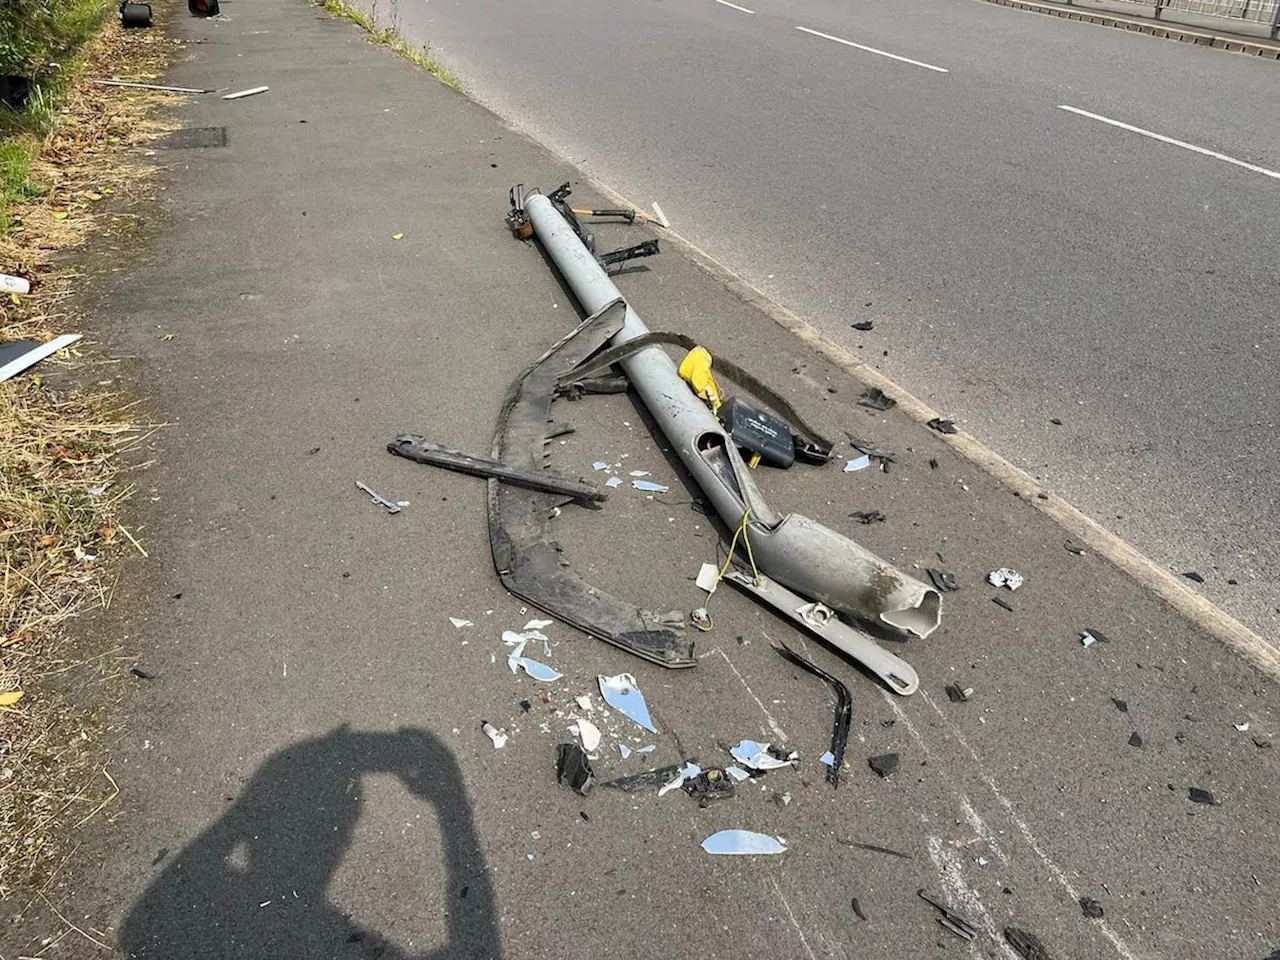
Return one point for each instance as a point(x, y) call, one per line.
point(876, 399)
point(599, 465)
point(499, 737)
point(142, 674)
point(857, 463)
point(621, 693)
point(844, 710)
point(885, 764)
point(687, 772)
point(942, 426)
point(590, 735)
point(460, 623)
point(25, 353)
point(252, 91)
point(645, 749)
point(624, 750)
point(760, 756)
point(638, 473)
point(953, 922)
point(378, 498)
point(1196, 795)
point(782, 799)
point(584, 703)
point(1121, 705)
point(574, 768)
point(868, 517)
point(828, 758)
point(863, 325)
point(737, 773)
point(1072, 547)
point(538, 625)
point(639, 781)
point(1004, 577)
point(957, 693)
point(1002, 602)
point(742, 842)
point(1192, 575)
point(1135, 739)
point(1027, 944)
point(944, 581)
point(1097, 635)
point(613, 482)
point(648, 486)
point(1088, 639)
point(1091, 908)
point(708, 574)
point(857, 909)
point(877, 849)
point(1242, 727)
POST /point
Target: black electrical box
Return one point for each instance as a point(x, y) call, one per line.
point(757, 432)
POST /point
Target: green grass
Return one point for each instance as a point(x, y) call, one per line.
point(393, 38)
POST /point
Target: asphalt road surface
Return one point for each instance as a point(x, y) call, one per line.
point(956, 173)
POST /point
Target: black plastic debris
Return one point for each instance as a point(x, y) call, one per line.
point(1180, 736)
point(867, 517)
point(942, 426)
point(844, 709)
point(526, 706)
point(135, 16)
point(944, 582)
point(1192, 575)
point(142, 674)
point(641, 781)
point(875, 848)
point(1027, 944)
point(1261, 743)
point(1072, 547)
point(953, 922)
point(1002, 602)
point(876, 455)
point(885, 764)
point(1055, 421)
point(1196, 795)
point(857, 909)
point(957, 693)
point(1231, 581)
point(876, 399)
point(933, 463)
point(574, 769)
point(864, 325)
point(1091, 908)
point(1135, 739)
point(709, 786)
point(1121, 705)
point(1097, 635)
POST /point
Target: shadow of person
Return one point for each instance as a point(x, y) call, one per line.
point(286, 835)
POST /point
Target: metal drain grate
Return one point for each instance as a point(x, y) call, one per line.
point(193, 139)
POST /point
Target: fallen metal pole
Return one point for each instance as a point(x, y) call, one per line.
point(800, 553)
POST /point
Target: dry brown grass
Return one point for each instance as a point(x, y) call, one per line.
point(61, 481)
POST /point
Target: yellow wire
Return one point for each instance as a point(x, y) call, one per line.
point(743, 530)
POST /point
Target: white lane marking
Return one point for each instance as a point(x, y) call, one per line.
point(1177, 143)
point(773, 724)
point(735, 6)
point(803, 942)
point(951, 875)
point(882, 53)
point(1055, 871)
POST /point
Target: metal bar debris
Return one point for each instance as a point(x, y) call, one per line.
point(844, 709)
point(413, 447)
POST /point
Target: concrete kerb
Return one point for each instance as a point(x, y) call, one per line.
point(1150, 576)
point(1153, 28)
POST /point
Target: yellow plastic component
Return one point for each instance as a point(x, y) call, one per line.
point(696, 369)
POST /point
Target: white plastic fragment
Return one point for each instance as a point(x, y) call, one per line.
point(645, 749)
point(613, 482)
point(737, 773)
point(584, 703)
point(10, 284)
point(1004, 577)
point(639, 473)
point(460, 623)
point(828, 758)
point(499, 737)
point(539, 670)
point(36, 354)
point(743, 842)
point(590, 735)
point(648, 486)
point(687, 772)
point(751, 753)
point(621, 693)
point(1088, 639)
point(708, 574)
point(1242, 727)
point(538, 624)
point(857, 463)
point(599, 465)
point(252, 91)
point(624, 750)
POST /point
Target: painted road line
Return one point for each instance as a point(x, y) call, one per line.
point(882, 53)
point(1177, 143)
point(735, 6)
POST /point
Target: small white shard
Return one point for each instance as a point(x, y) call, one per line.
point(538, 624)
point(828, 758)
point(737, 773)
point(751, 753)
point(708, 575)
point(622, 694)
point(1242, 727)
point(624, 750)
point(639, 473)
point(460, 623)
point(687, 772)
point(499, 737)
point(599, 465)
point(857, 463)
point(613, 482)
point(252, 91)
point(1088, 639)
point(584, 703)
point(1004, 577)
point(99, 487)
point(511, 638)
point(648, 486)
point(649, 748)
point(743, 842)
point(590, 735)
point(538, 670)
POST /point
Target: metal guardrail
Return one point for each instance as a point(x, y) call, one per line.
point(1264, 13)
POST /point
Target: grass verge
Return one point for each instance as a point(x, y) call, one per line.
point(393, 38)
point(66, 173)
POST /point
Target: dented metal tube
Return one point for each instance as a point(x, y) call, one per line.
point(800, 553)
